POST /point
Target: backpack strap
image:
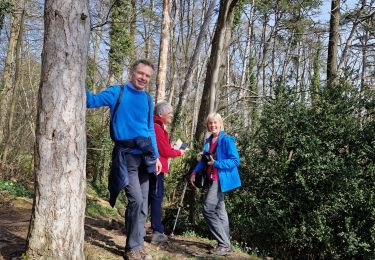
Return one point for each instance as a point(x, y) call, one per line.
point(149, 109)
point(111, 131)
point(113, 118)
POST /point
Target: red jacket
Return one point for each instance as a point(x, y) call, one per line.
point(165, 149)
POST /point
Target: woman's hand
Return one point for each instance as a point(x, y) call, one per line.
point(158, 166)
point(211, 162)
point(192, 180)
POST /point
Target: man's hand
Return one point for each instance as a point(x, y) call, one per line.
point(192, 180)
point(158, 166)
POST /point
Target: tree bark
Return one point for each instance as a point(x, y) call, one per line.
point(163, 55)
point(224, 23)
point(57, 223)
point(333, 42)
point(192, 67)
point(15, 90)
point(8, 75)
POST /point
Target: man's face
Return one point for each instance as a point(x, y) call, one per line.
point(141, 76)
point(167, 117)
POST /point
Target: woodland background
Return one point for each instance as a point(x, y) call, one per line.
point(293, 80)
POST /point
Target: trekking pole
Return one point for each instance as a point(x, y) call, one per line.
point(179, 207)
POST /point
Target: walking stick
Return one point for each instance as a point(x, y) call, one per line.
point(179, 207)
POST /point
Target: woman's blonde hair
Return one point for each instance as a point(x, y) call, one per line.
point(217, 117)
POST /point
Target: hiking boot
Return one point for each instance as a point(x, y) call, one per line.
point(133, 255)
point(221, 251)
point(144, 254)
point(158, 237)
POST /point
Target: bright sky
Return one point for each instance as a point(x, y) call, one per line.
point(326, 8)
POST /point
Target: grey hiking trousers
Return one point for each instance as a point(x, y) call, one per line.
point(215, 214)
point(136, 210)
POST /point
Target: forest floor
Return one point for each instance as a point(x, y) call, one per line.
point(104, 238)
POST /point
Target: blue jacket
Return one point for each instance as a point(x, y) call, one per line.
point(226, 162)
point(135, 115)
point(118, 177)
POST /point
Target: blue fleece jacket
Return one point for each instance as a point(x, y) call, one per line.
point(133, 118)
point(226, 162)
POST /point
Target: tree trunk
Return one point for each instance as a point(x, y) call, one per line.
point(14, 95)
point(224, 22)
point(121, 44)
point(333, 42)
point(163, 55)
point(8, 75)
point(57, 222)
point(148, 43)
point(192, 67)
point(315, 80)
point(133, 30)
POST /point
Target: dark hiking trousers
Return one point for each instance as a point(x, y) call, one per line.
point(156, 194)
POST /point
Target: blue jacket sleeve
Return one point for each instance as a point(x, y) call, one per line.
point(232, 158)
point(107, 97)
point(198, 167)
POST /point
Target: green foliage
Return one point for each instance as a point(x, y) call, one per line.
point(308, 178)
point(5, 7)
point(121, 41)
point(15, 189)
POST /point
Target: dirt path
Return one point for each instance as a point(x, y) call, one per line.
point(103, 238)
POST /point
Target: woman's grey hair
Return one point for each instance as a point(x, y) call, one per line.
point(162, 107)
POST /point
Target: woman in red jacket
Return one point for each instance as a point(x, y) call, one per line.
point(163, 116)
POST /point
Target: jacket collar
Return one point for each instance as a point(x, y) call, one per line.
point(159, 121)
point(221, 134)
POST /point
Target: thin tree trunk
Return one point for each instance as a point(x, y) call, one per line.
point(57, 223)
point(192, 67)
point(333, 42)
point(224, 22)
point(148, 47)
point(133, 29)
point(15, 90)
point(163, 55)
point(8, 74)
point(348, 44)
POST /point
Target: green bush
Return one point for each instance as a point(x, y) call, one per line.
point(308, 178)
point(15, 189)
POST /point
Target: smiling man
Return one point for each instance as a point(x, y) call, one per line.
point(132, 130)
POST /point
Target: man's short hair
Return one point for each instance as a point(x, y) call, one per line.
point(142, 61)
point(162, 107)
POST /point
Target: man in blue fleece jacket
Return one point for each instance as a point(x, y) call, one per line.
point(133, 120)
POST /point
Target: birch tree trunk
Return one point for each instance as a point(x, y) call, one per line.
point(57, 223)
point(163, 55)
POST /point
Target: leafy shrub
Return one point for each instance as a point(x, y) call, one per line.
point(308, 179)
point(15, 189)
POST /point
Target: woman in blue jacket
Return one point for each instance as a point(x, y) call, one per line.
point(223, 173)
